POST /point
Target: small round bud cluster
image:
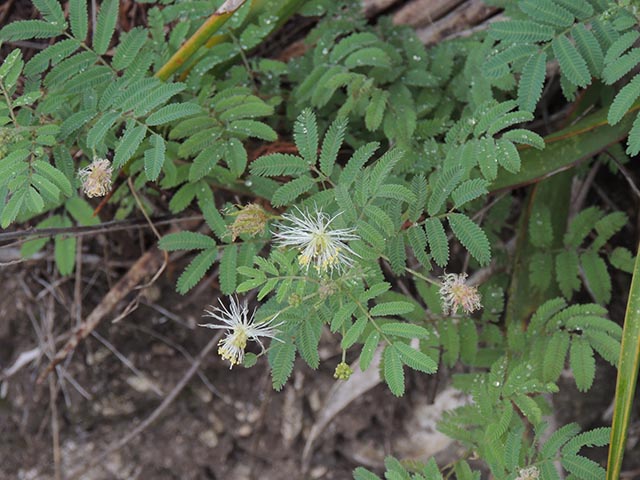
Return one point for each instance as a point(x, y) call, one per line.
point(295, 300)
point(96, 178)
point(327, 288)
point(8, 136)
point(250, 219)
point(343, 372)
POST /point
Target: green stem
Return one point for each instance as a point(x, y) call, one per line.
point(627, 376)
point(208, 28)
point(9, 104)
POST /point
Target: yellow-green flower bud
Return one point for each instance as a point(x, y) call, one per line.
point(250, 219)
point(343, 371)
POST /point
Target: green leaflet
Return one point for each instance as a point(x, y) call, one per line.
point(28, 29)
point(173, 112)
point(65, 253)
point(415, 358)
point(307, 341)
point(186, 241)
point(105, 26)
point(555, 356)
point(589, 48)
point(281, 357)
point(128, 144)
point(368, 349)
point(97, 133)
point(567, 272)
point(228, 265)
point(196, 270)
point(361, 473)
point(288, 192)
point(78, 17)
point(354, 332)
point(572, 65)
point(404, 330)
point(154, 157)
point(471, 236)
point(444, 185)
point(624, 100)
point(547, 11)
point(393, 371)
point(278, 164)
point(438, 243)
point(331, 145)
point(129, 47)
point(521, 31)
point(583, 364)
point(305, 133)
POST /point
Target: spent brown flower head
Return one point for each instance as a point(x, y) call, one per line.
point(96, 178)
point(455, 293)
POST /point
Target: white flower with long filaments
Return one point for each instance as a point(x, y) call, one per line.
point(320, 245)
point(240, 328)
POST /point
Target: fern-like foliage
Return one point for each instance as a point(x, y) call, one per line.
point(588, 40)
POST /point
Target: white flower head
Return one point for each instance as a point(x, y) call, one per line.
point(320, 245)
point(529, 473)
point(240, 328)
point(455, 293)
point(96, 178)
